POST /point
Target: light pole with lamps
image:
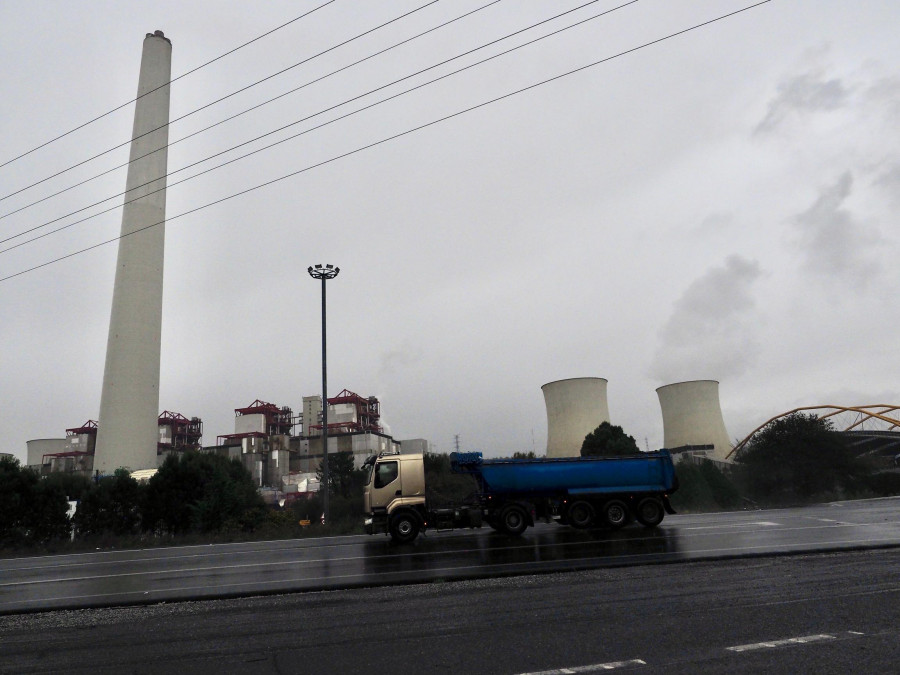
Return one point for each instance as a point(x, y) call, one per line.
point(324, 272)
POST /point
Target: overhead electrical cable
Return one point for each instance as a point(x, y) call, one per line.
point(212, 103)
point(390, 138)
point(228, 119)
point(193, 70)
point(294, 123)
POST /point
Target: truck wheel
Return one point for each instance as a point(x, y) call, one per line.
point(404, 528)
point(615, 513)
point(513, 520)
point(580, 515)
point(650, 512)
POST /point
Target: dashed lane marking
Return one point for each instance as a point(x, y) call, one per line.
point(595, 667)
point(781, 643)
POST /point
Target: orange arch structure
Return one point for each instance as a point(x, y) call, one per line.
point(884, 413)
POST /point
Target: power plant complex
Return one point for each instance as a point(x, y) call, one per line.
point(131, 433)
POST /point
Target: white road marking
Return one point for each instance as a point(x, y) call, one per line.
point(781, 643)
point(591, 668)
point(761, 523)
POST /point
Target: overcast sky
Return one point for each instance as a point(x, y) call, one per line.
point(717, 206)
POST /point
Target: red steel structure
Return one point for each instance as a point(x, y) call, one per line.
point(368, 414)
point(186, 432)
point(89, 428)
point(278, 421)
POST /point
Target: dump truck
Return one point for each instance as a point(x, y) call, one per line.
point(512, 494)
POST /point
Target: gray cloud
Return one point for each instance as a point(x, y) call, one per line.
point(802, 94)
point(715, 224)
point(890, 180)
point(711, 331)
point(833, 243)
point(403, 357)
point(885, 92)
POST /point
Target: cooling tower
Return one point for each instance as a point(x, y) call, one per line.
point(129, 402)
point(574, 409)
point(692, 416)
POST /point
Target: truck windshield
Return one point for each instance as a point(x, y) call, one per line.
point(370, 471)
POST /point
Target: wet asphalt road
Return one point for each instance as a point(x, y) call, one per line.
point(233, 570)
point(808, 613)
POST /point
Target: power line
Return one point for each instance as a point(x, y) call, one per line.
point(294, 123)
point(390, 138)
point(208, 105)
point(227, 119)
point(194, 70)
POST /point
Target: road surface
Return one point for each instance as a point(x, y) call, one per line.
point(232, 570)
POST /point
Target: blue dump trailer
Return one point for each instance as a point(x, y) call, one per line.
point(577, 491)
point(580, 492)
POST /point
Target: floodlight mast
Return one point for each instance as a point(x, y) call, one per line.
point(324, 273)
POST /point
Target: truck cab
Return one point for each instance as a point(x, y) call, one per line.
point(394, 495)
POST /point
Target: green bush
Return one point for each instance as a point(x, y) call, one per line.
point(201, 492)
point(704, 487)
point(884, 484)
point(796, 459)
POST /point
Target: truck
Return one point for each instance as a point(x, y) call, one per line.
point(513, 494)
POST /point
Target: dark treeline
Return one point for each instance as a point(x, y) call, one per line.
point(193, 498)
point(794, 460)
point(198, 497)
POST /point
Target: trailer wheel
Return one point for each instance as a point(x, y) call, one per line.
point(615, 513)
point(650, 512)
point(404, 528)
point(513, 519)
point(580, 515)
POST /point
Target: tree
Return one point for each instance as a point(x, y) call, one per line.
point(799, 457)
point(31, 510)
point(111, 506)
point(344, 478)
point(73, 484)
point(608, 441)
point(202, 492)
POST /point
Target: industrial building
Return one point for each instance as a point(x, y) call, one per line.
point(575, 407)
point(415, 446)
point(692, 420)
point(264, 441)
point(76, 453)
point(261, 440)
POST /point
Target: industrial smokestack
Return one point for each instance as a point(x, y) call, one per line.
point(692, 416)
point(575, 408)
point(129, 403)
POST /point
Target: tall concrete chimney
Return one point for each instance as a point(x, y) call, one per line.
point(129, 404)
